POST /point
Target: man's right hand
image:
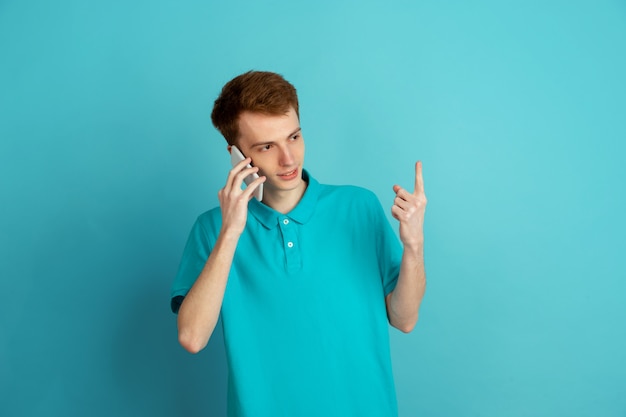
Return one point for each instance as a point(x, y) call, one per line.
point(234, 200)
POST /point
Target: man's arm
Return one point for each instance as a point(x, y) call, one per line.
point(404, 301)
point(201, 307)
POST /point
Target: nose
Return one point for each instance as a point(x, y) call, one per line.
point(286, 156)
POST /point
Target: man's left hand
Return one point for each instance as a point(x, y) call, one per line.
point(409, 209)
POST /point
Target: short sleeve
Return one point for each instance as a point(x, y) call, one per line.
point(197, 250)
point(389, 249)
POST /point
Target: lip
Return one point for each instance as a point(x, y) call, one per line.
point(288, 176)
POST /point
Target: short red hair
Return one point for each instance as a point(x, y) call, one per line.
point(255, 91)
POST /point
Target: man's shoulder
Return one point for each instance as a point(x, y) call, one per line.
point(210, 219)
point(214, 213)
point(350, 192)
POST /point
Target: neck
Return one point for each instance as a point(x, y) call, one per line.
point(284, 201)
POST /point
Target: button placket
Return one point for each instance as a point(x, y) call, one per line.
point(290, 239)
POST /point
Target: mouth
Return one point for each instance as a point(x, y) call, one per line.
point(289, 175)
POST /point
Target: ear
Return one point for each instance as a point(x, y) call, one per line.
point(228, 148)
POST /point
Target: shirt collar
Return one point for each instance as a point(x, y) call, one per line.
point(301, 213)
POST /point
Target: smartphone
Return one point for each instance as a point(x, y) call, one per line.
point(235, 157)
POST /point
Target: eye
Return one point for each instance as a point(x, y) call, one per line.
point(266, 148)
point(295, 137)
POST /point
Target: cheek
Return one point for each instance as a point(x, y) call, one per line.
point(262, 168)
point(300, 150)
point(260, 163)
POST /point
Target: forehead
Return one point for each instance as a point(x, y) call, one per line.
point(267, 127)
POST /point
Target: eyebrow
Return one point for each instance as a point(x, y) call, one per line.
point(271, 142)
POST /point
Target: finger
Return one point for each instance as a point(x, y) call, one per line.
point(396, 212)
point(241, 176)
point(401, 203)
point(231, 175)
point(249, 191)
point(402, 193)
point(419, 179)
point(240, 165)
point(237, 168)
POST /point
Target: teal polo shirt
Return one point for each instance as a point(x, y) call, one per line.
point(304, 318)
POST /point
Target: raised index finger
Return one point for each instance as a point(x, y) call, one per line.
point(419, 180)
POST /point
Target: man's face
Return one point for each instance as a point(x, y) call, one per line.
point(276, 147)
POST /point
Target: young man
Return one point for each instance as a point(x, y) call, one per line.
point(307, 280)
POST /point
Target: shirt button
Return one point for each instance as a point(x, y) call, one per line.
point(286, 221)
point(290, 244)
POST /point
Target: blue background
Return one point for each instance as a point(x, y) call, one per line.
point(107, 155)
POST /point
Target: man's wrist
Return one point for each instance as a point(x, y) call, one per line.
point(414, 246)
point(230, 234)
